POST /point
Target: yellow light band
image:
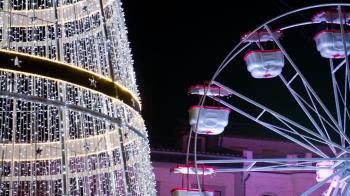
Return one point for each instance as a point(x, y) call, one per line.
point(117, 85)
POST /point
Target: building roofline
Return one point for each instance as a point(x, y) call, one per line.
point(206, 154)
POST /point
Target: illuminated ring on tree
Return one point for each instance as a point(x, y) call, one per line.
point(69, 73)
point(51, 150)
point(71, 107)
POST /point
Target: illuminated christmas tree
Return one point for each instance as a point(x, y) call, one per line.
point(69, 104)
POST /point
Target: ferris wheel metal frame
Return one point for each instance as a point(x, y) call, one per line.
point(322, 120)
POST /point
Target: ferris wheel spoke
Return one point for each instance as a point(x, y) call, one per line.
point(328, 192)
point(345, 100)
point(233, 53)
point(346, 189)
point(293, 78)
point(322, 119)
point(285, 167)
point(338, 66)
point(335, 93)
point(289, 162)
point(342, 99)
point(277, 164)
point(342, 20)
point(307, 139)
point(340, 93)
point(268, 169)
point(305, 82)
point(304, 137)
point(342, 178)
point(270, 127)
point(318, 185)
point(296, 133)
point(306, 111)
point(273, 160)
point(275, 115)
point(336, 188)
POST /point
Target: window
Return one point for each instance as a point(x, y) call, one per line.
point(269, 194)
point(218, 190)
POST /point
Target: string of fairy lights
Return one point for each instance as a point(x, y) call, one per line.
point(80, 33)
point(59, 138)
point(34, 145)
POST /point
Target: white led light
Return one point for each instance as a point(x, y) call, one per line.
point(60, 138)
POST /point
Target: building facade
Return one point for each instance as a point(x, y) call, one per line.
point(291, 183)
point(69, 121)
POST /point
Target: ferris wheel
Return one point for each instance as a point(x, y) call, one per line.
point(316, 81)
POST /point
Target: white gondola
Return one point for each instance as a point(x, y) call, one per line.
point(191, 192)
point(322, 174)
point(264, 63)
point(330, 43)
point(185, 169)
point(211, 120)
point(331, 17)
point(261, 36)
point(210, 91)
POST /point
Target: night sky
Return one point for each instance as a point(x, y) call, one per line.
point(178, 43)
